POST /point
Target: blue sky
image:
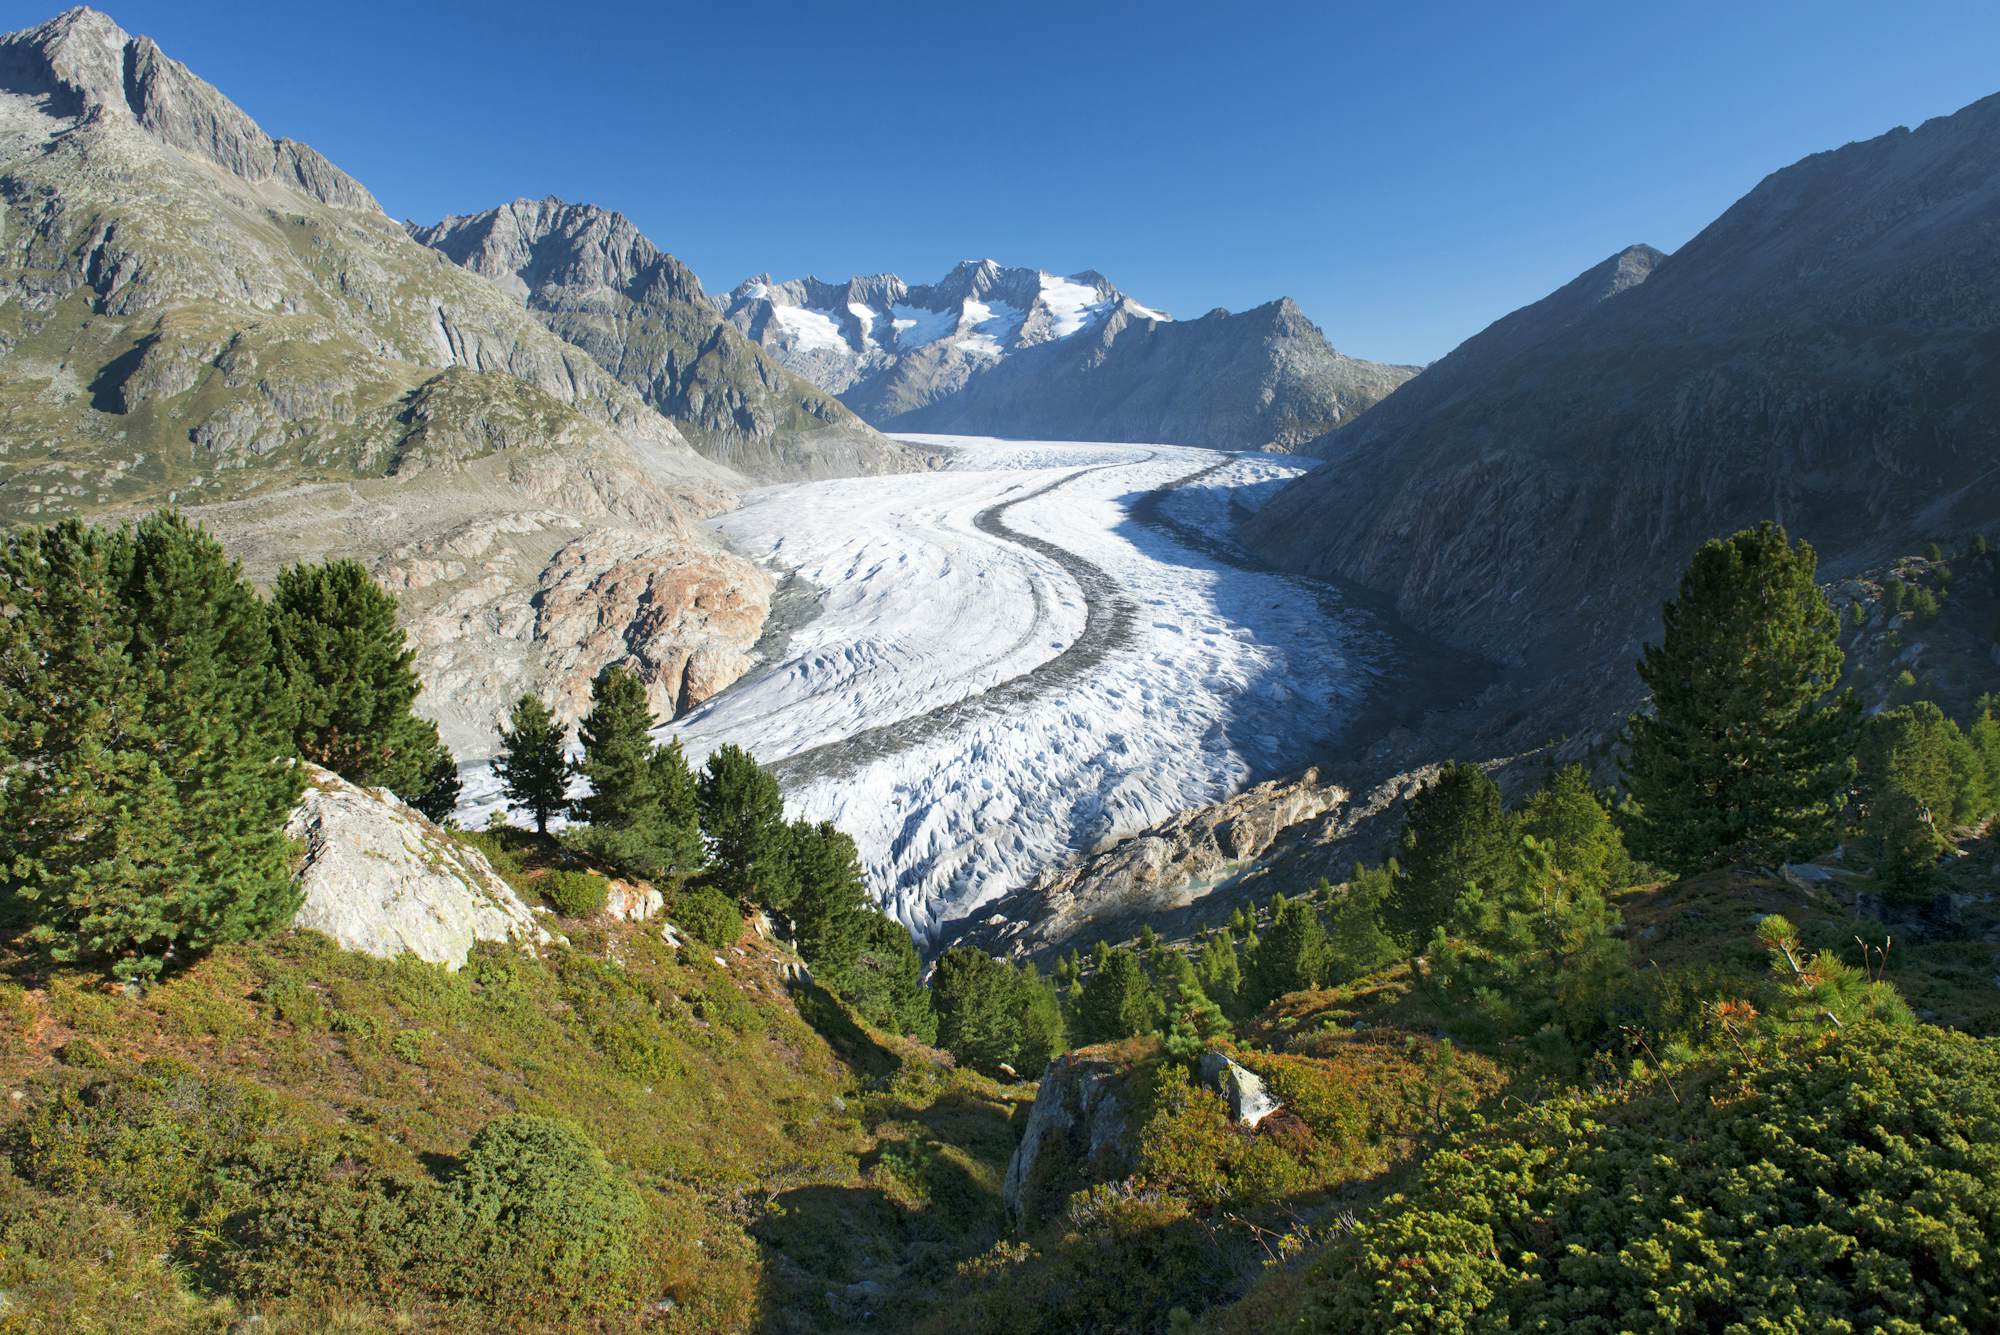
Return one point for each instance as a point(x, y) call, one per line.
point(1408, 173)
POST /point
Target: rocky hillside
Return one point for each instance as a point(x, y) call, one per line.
point(1016, 352)
point(1823, 354)
point(594, 279)
point(196, 313)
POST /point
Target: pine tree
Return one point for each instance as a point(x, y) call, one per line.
point(348, 668)
point(1356, 941)
point(977, 999)
point(617, 755)
point(743, 814)
point(1915, 768)
point(1043, 1036)
point(148, 790)
point(1456, 834)
point(1219, 970)
point(1118, 1000)
point(1747, 754)
point(1193, 1020)
point(676, 819)
point(830, 911)
point(532, 765)
point(1570, 820)
point(1539, 956)
point(884, 980)
point(1291, 957)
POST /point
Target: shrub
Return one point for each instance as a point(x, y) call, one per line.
point(542, 1209)
point(708, 915)
point(574, 894)
point(1846, 1182)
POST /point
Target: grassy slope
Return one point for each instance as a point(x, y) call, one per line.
point(800, 1172)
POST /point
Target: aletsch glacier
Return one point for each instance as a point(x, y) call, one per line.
point(991, 753)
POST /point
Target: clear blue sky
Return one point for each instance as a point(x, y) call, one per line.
point(1407, 172)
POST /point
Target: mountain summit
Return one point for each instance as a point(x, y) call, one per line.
point(593, 278)
point(993, 350)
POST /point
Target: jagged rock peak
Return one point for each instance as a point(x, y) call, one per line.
point(84, 67)
point(527, 244)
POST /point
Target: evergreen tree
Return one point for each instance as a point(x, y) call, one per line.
point(1219, 970)
point(145, 745)
point(676, 819)
point(1240, 922)
point(348, 667)
point(532, 765)
point(830, 911)
point(1291, 957)
point(1747, 755)
point(1043, 1036)
point(1356, 941)
point(884, 979)
point(1538, 957)
point(743, 814)
point(1456, 834)
point(1193, 1020)
point(618, 755)
point(1571, 822)
point(977, 999)
point(1118, 1000)
point(1915, 769)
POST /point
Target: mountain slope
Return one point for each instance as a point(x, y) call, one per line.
point(1824, 353)
point(596, 281)
point(192, 312)
point(1018, 352)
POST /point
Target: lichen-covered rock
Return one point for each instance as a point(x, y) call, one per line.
point(1076, 1129)
point(1249, 1101)
point(381, 879)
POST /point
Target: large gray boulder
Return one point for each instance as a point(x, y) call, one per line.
point(381, 879)
point(1250, 1102)
point(1078, 1121)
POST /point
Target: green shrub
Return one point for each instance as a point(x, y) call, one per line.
point(1847, 1182)
point(708, 915)
point(574, 894)
point(544, 1214)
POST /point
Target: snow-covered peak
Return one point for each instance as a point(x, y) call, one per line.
point(980, 311)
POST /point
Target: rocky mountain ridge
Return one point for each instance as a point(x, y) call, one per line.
point(194, 313)
point(1821, 354)
point(599, 283)
point(993, 350)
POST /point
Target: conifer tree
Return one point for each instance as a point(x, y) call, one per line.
point(830, 911)
point(884, 979)
point(148, 786)
point(1118, 1000)
point(1193, 1020)
point(1747, 755)
point(617, 755)
point(1356, 941)
point(743, 814)
point(1456, 834)
point(978, 1001)
point(676, 819)
point(1043, 1034)
point(1570, 820)
point(347, 665)
point(1917, 775)
point(533, 766)
point(1291, 955)
point(1219, 970)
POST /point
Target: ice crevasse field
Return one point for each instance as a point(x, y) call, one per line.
point(983, 669)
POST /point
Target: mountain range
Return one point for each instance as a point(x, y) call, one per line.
point(196, 313)
point(992, 350)
point(1822, 354)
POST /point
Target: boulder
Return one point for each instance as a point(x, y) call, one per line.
point(381, 879)
point(1249, 1101)
point(633, 901)
point(1078, 1120)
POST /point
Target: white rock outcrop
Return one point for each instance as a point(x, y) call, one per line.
point(1249, 1101)
point(381, 879)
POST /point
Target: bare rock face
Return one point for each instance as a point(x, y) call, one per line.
point(1078, 1119)
point(381, 879)
point(683, 621)
point(1249, 1101)
point(1167, 868)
